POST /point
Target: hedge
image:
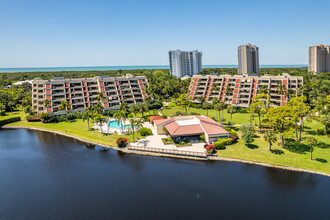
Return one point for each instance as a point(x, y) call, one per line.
point(9, 120)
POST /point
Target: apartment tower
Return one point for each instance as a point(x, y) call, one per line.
point(319, 59)
point(248, 59)
point(243, 88)
point(83, 92)
point(184, 63)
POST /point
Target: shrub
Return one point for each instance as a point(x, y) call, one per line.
point(145, 131)
point(226, 141)
point(121, 142)
point(231, 131)
point(210, 149)
point(219, 145)
point(320, 131)
point(164, 116)
point(234, 139)
point(167, 141)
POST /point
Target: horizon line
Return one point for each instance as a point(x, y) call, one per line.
point(164, 65)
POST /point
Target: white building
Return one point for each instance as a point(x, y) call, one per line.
point(248, 59)
point(184, 63)
point(319, 59)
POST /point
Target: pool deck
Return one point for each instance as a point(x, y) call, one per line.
point(155, 141)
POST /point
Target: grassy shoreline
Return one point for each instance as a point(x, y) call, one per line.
point(259, 153)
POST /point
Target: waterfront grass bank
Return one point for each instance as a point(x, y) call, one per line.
point(257, 153)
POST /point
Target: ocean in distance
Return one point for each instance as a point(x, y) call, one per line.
point(102, 68)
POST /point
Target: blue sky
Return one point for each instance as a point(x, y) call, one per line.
point(51, 33)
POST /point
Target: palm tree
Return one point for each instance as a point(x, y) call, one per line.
point(100, 97)
point(222, 107)
point(135, 124)
point(289, 94)
point(88, 114)
point(311, 141)
point(201, 99)
point(123, 107)
point(231, 110)
point(270, 137)
point(11, 104)
point(265, 90)
point(65, 106)
point(217, 107)
point(135, 109)
point(143, 108)
point(46, 103)
point(100, 120)
point(120, 117)
point(215, 100)
point(206, 106)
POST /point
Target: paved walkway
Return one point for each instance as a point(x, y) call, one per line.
point(155, 141)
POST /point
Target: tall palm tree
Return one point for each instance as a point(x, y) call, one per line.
point(217, 107)
point(311, 141)
point(135, 109)
point(143, 108)
point(88, 114)
point(201, 99)
point(265, 90)
point(289, 94)
point(100, 97)
point(136, 125)
point(206, 106)
point(46, 103)
point(270, 137)
point(100, 120)
point(65, 106)
point(222, 107)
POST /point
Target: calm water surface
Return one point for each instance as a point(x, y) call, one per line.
point(46, 176)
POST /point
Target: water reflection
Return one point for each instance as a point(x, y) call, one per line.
point(288, 179)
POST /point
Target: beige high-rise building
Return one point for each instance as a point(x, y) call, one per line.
point(248, 59)
point(319, 59)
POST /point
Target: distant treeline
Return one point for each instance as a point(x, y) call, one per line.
point(20, 76)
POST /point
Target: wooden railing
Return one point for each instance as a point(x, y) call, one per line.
point(168, 151)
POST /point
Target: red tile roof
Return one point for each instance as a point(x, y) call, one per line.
point(176, 130)
point(155, 117)
point(207, 125)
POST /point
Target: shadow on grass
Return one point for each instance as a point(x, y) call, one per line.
point(295, 146)
point(322, 145)
point(321, 160)
point(252, 146)
point(73, 120)
point(277, 151)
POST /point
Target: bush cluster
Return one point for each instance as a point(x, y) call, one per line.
point(222, 143)
point(121, 142)
point(155, 105)
point(320, 131)
point(145, 131)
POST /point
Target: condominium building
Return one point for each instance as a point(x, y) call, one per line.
point(82, 93)
point(184, 63)
point(319, 59)
point(248, 59)
point(243, 88)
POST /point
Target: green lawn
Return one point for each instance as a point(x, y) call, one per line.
point(238, 118)
point(16, 113)
point(77, 128)
point(295, 157)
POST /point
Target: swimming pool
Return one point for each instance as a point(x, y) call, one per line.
point(115, 124)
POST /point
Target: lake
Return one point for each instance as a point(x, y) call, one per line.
point(47, 176)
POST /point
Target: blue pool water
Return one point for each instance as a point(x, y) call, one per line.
point(115, 124)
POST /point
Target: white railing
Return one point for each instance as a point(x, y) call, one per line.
point(168, 151)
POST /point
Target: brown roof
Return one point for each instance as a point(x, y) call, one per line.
point(155, 117)
point(176, 130)
point(206, 125)
point(162, 121)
